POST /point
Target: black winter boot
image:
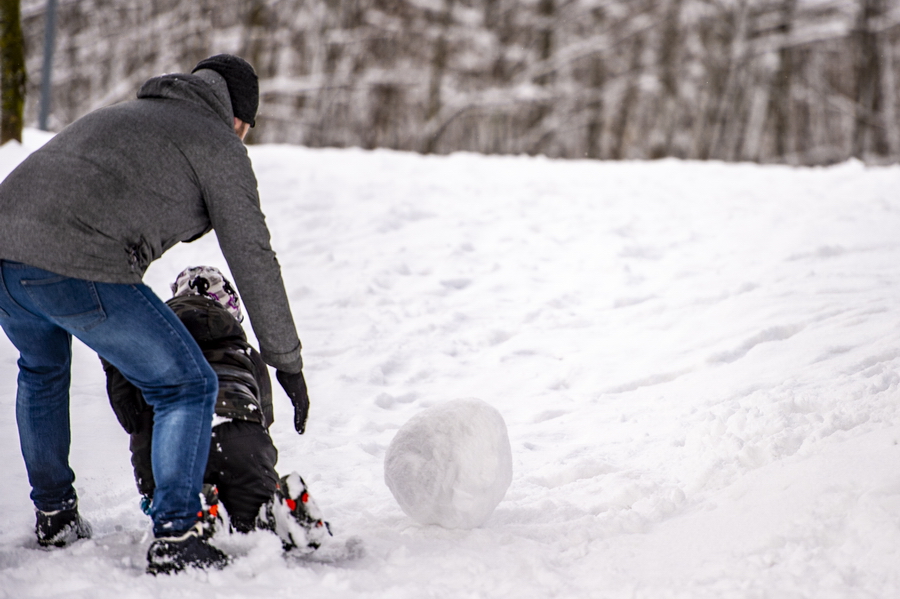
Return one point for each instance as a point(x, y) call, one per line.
point(59, 528)
point(168, 555)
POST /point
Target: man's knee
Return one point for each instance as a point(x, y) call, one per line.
point(200, 389)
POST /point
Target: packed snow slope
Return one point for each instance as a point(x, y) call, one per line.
point(698, 365)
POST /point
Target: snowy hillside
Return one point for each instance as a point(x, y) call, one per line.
point(698, 364)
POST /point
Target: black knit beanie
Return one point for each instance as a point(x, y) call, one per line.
point(243, 84)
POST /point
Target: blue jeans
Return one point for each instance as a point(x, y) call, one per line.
point(137, 333)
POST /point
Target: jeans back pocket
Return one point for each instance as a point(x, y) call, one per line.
point(72, 303)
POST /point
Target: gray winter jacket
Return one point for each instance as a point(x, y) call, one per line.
point(120, 186)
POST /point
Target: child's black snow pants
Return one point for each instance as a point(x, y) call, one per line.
point(241, 464)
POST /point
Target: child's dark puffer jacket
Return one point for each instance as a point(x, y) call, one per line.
point(245, 390)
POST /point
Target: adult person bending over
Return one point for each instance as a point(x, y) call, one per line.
point(80, 221)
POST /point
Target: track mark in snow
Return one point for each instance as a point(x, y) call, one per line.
point(333, 552)
point(771, 334)
point(641, 252)
point(868, 363)
point(373, 449)
point(832, 352)
point(824, 251)
point(496, 337)
point(549, 415)
point(558, 475)
point(625, 302)
point(656, 379)
point(456, 283)
point(387, 401)
point(886, 381)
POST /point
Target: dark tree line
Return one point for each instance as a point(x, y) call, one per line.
point(792, 81)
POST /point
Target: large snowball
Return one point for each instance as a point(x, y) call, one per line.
point(451, 464)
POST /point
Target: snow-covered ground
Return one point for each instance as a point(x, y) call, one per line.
point(698, 365)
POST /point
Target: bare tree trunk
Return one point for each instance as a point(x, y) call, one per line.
point(594, 129)
point(889, 95)
point(780, 98)
point(546, 10)
point(255, 22)
point(726, 129)
point(668, 64)
point(628, 101)
point(12, 78)
point(539, 129)
point(866, 137)
point(438, 68)
point(756, 123)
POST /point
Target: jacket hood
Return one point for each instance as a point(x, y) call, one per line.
point(207, 321)
point(205, 88)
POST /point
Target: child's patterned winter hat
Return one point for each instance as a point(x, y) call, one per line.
point(208, 281)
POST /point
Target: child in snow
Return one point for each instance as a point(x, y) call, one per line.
point(240, 470)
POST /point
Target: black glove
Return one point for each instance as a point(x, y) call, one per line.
point(295, 387)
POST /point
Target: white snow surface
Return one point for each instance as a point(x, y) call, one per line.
point(451, 464)
point(698, 365)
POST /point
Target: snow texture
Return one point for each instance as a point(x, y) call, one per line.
point(698, 365)
point(451, 464)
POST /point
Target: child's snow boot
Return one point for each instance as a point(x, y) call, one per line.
point(294, 516)
point(209, 510)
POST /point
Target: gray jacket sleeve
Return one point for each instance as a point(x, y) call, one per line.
point(233, 203)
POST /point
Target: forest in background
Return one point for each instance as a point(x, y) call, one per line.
point(801, 82)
